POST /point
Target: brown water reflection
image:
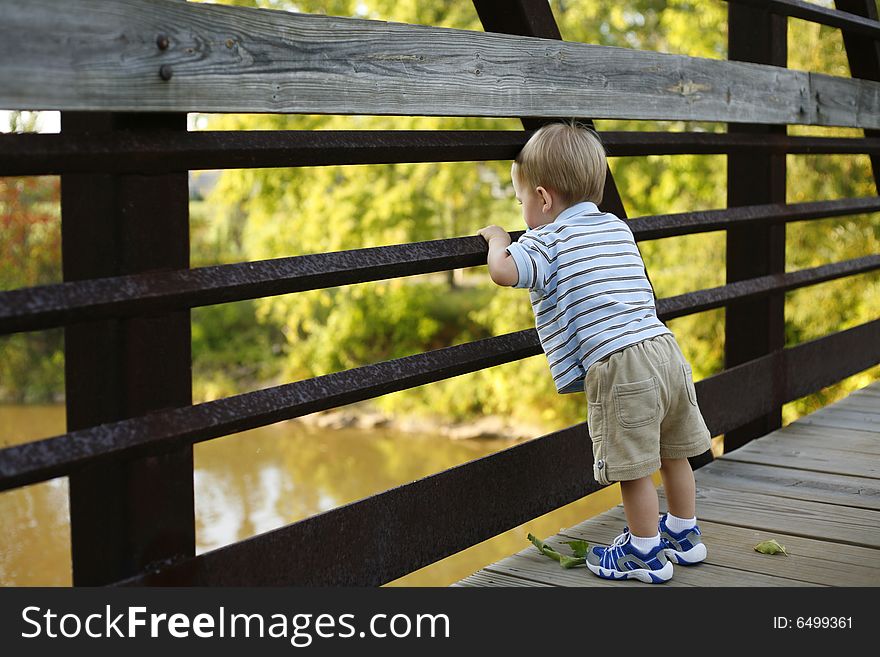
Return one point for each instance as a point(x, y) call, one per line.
point(259, 480)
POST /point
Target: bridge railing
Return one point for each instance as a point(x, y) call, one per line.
point(125, 72)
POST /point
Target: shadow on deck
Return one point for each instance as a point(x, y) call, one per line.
point(813, 485)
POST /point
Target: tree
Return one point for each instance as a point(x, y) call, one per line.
point(32, 365)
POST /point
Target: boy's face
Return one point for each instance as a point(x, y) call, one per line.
point(533, 201)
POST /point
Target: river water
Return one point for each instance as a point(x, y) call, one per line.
point(258, 480)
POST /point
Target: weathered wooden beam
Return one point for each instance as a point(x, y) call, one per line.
point(108, 55)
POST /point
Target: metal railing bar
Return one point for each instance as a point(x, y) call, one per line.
point(810, 11)
point(166, 429)
point(48, 306)
point(158, 152)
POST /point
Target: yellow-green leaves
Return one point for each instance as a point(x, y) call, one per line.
point(771, 547)
point(578, 547)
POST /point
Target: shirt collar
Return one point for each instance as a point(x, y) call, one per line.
point(584, 207)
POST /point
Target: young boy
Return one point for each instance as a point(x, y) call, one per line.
point(598, 326)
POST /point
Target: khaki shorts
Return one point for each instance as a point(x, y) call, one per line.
point(641, 406)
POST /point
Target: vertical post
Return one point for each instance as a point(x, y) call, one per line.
point(863, 54)
point(757, 327)
point(534, 18)
point(126, 514)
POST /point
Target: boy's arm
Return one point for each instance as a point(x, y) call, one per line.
point(502, 268)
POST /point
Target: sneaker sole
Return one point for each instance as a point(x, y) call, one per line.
point(689, 558)
point(641, 574)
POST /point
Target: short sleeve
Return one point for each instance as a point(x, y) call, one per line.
point(532, 262)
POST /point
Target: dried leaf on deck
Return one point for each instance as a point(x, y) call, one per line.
point(771, 547)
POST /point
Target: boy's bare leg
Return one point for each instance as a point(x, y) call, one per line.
point(678, 482)
point(641, 506)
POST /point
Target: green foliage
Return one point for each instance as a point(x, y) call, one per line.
point(31, 364)
point(579, 548)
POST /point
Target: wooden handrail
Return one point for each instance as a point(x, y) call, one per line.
point(235, 59)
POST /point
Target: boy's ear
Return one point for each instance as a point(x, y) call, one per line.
point(546, 197)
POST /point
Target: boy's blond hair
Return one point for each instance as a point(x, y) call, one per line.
point(567, 158)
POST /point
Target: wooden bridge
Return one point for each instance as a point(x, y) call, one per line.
point(813, 485)
point(124, 73)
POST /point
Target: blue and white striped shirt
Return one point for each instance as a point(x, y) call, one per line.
point(588, 288)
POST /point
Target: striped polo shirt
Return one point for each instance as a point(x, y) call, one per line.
point(588, 288)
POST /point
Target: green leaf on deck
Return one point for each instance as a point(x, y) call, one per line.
point(545, 549)
point(571, 562)
point(564, 560)
point(771, 547)
point(537, 542)
point(580, 548)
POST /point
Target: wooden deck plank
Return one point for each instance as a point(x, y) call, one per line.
point(843, 490)
point(869, 405)
point(808, 561)
point(529, 564)
point(813, 485)
point(823, 440)
point(868, 418)
point(553, 575)
point(715, 571)
point(732, 547)
point(805, 518)
point(834, 422)
point(839, 439)
point(807, 458)
point(602, 530)
point(863, 396)
point(487, 578)
point(843, 553)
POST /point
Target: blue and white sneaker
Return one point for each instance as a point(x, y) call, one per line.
point(621, 560)
point(685, 548)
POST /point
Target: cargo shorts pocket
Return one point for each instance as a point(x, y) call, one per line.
point(637, 403)
point(689, 383)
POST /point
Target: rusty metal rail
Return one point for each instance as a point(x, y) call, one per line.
point(161, 151)
point(65, 303)
point(164, 429)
